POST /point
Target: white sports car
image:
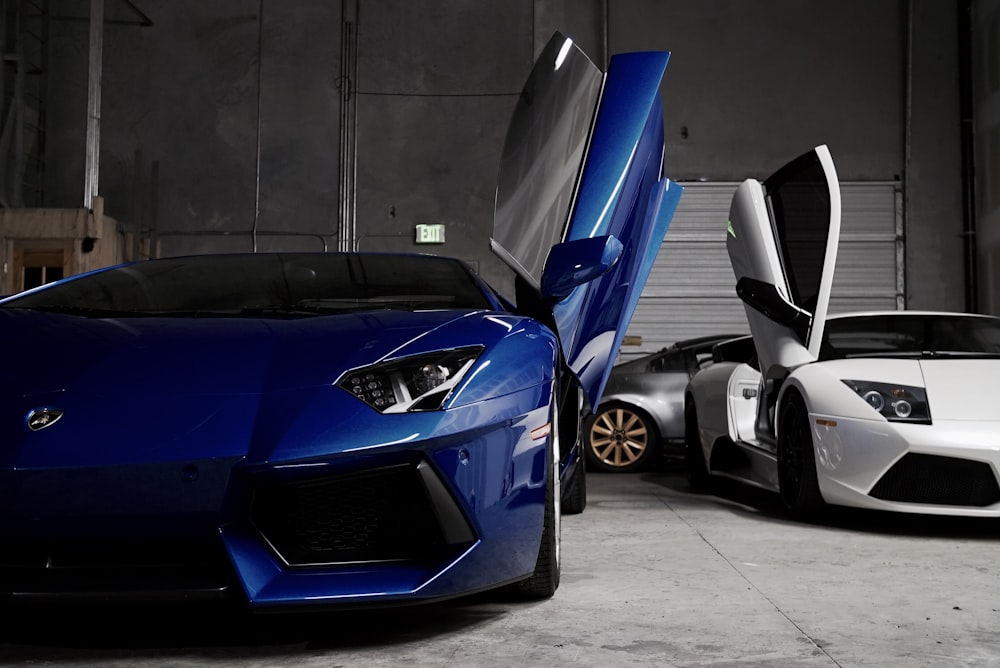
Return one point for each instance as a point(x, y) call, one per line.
point(889, 410)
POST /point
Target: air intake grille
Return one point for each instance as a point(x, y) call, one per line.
point(949, 481)
point(378, 515)
point(175, 570)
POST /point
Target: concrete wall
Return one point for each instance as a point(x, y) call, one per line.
point(432, 83)
point(435, 91)
point(986, 49)
point(752, 84)
point(181, 103)
point(932, 160)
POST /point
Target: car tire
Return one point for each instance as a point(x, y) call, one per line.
point(694, 455)
point(797, 480)
point(575, 500)
point(544, 580)
point(620, 439)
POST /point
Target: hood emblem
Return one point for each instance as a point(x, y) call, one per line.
point(40, 418)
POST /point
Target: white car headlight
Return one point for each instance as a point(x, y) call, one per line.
point(415, 383)
point(896, 403)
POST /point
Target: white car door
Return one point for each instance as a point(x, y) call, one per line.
point(741, 395)
point(782, 240)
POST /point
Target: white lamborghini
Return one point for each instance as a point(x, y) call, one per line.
point(894, 410)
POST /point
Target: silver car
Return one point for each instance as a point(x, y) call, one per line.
point(641, 413)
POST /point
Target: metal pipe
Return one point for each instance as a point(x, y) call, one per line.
point(260, 233)
point(967, 143)
point(260, 80)
point(347, 223)
point(95, 62)
point(604, 44)
point(18, 104)
point(901, 222)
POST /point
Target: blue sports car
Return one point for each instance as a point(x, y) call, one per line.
point(310, 430)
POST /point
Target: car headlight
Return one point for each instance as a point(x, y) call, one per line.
point(415, 383)
point(896, 403)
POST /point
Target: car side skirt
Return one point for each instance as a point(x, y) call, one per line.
point(744, 462)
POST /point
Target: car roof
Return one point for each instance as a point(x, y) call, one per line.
point(706, 341)
point(700, 340)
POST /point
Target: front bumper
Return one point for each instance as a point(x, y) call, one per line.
point(405, 522)
point(945, 468)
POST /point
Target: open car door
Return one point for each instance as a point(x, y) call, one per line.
point(782, 240)
point(582, 205)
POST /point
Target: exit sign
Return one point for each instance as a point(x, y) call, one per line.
point(430, 234)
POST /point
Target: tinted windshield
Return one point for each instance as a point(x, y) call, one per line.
point(266, 283)
point(910, 334)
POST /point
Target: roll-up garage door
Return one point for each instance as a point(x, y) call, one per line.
point(691, 292)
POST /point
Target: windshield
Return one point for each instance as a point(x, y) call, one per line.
point(280, 284)
point(907, 335)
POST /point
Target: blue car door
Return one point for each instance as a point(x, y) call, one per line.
point(583, 160)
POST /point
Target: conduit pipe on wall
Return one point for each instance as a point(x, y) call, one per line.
point(347, 82)
point(95, 65)
point(260, 95)
point(901, 227)
point(967, 142)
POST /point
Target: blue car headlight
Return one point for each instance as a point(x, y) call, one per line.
point(896, 403)
point(415, 383)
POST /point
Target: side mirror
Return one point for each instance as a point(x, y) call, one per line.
point(577, 262)
point(765, 298)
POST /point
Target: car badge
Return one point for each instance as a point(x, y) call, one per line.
point(40, 418)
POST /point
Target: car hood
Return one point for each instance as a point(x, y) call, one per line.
point(962, 389)
point(160, 356)
point(957, 389)
point(169, 389)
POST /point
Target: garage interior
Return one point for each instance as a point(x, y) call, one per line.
point(247, 125)
point(136, 129)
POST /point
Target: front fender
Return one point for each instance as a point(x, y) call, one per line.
point(820, 384)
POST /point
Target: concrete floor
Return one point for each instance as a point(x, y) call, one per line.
point(653, 574)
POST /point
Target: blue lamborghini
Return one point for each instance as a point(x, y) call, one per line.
point(309, 430)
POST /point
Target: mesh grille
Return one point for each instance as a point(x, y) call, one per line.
point(379, 515)
point(949, 481)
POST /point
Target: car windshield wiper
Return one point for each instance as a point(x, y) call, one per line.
point(926, 354)
point(84, 311)
point(92, 312)
point(959, 354)
point(293, 310)
point(906, 354)
point(326, 306)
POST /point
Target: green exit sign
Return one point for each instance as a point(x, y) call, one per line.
point(430, 234)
